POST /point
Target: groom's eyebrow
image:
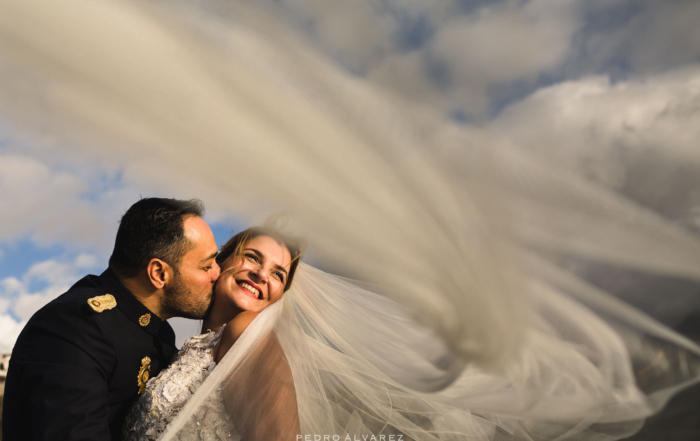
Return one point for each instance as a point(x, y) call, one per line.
point(212, 256)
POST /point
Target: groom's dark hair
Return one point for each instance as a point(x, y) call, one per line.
point(152, 228)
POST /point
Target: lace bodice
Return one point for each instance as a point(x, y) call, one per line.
point(166, 394)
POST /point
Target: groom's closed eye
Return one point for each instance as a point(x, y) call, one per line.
point(207, 262)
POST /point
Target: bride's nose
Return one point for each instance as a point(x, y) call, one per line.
point(261, 274)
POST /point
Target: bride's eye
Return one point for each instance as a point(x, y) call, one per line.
point(279, 275)
point(252, 256)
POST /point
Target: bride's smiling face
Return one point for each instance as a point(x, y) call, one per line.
point(256, 279)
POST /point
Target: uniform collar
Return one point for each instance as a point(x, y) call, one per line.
point(129, 304)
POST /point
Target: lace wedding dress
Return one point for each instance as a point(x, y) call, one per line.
point(165, 395)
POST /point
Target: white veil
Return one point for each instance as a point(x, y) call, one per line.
point(587, 368)
point(473, 325)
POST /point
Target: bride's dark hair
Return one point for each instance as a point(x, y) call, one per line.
point(277, 227)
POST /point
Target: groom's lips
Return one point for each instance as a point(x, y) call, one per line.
point(250, 293)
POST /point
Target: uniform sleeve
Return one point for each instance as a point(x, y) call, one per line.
point(66, 361)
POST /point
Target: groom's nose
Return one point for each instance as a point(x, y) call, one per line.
point(215, 271)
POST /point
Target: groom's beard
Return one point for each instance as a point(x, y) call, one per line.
point(178, 301)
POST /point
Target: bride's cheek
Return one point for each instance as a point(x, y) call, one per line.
point(231, 291)
point(224, 288)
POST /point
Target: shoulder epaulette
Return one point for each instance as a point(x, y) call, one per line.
point(102, 303)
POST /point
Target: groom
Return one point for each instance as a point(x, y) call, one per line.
point(82, 360)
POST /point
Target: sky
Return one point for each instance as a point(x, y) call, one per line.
point(616, 81)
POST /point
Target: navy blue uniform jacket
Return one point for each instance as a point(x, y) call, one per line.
point(74, 372)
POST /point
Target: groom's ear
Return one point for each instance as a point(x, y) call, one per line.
point(159, 273)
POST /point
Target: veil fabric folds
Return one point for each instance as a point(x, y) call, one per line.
point(586, 369)
point(464, 319)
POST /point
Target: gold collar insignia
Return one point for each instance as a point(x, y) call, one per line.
point(145, 319)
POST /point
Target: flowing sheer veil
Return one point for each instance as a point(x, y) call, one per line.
point(587, 368)
point(470, 320)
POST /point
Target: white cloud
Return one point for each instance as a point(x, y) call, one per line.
point(660, 36)
point(586, 118)
point(336, 26)
point(44, 203)
point(19, 296)
point(513, 40)
point(9, 331)
point(86, 261)
point(502, 42)
point(61, 200)
point(408, 46)
point(58, 277)
point(640, 136)
point(59, 273)
point(11, 286)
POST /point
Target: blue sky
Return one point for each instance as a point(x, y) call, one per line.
point(619, 77)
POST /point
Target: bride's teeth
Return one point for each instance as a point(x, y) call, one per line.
point(251, 289)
